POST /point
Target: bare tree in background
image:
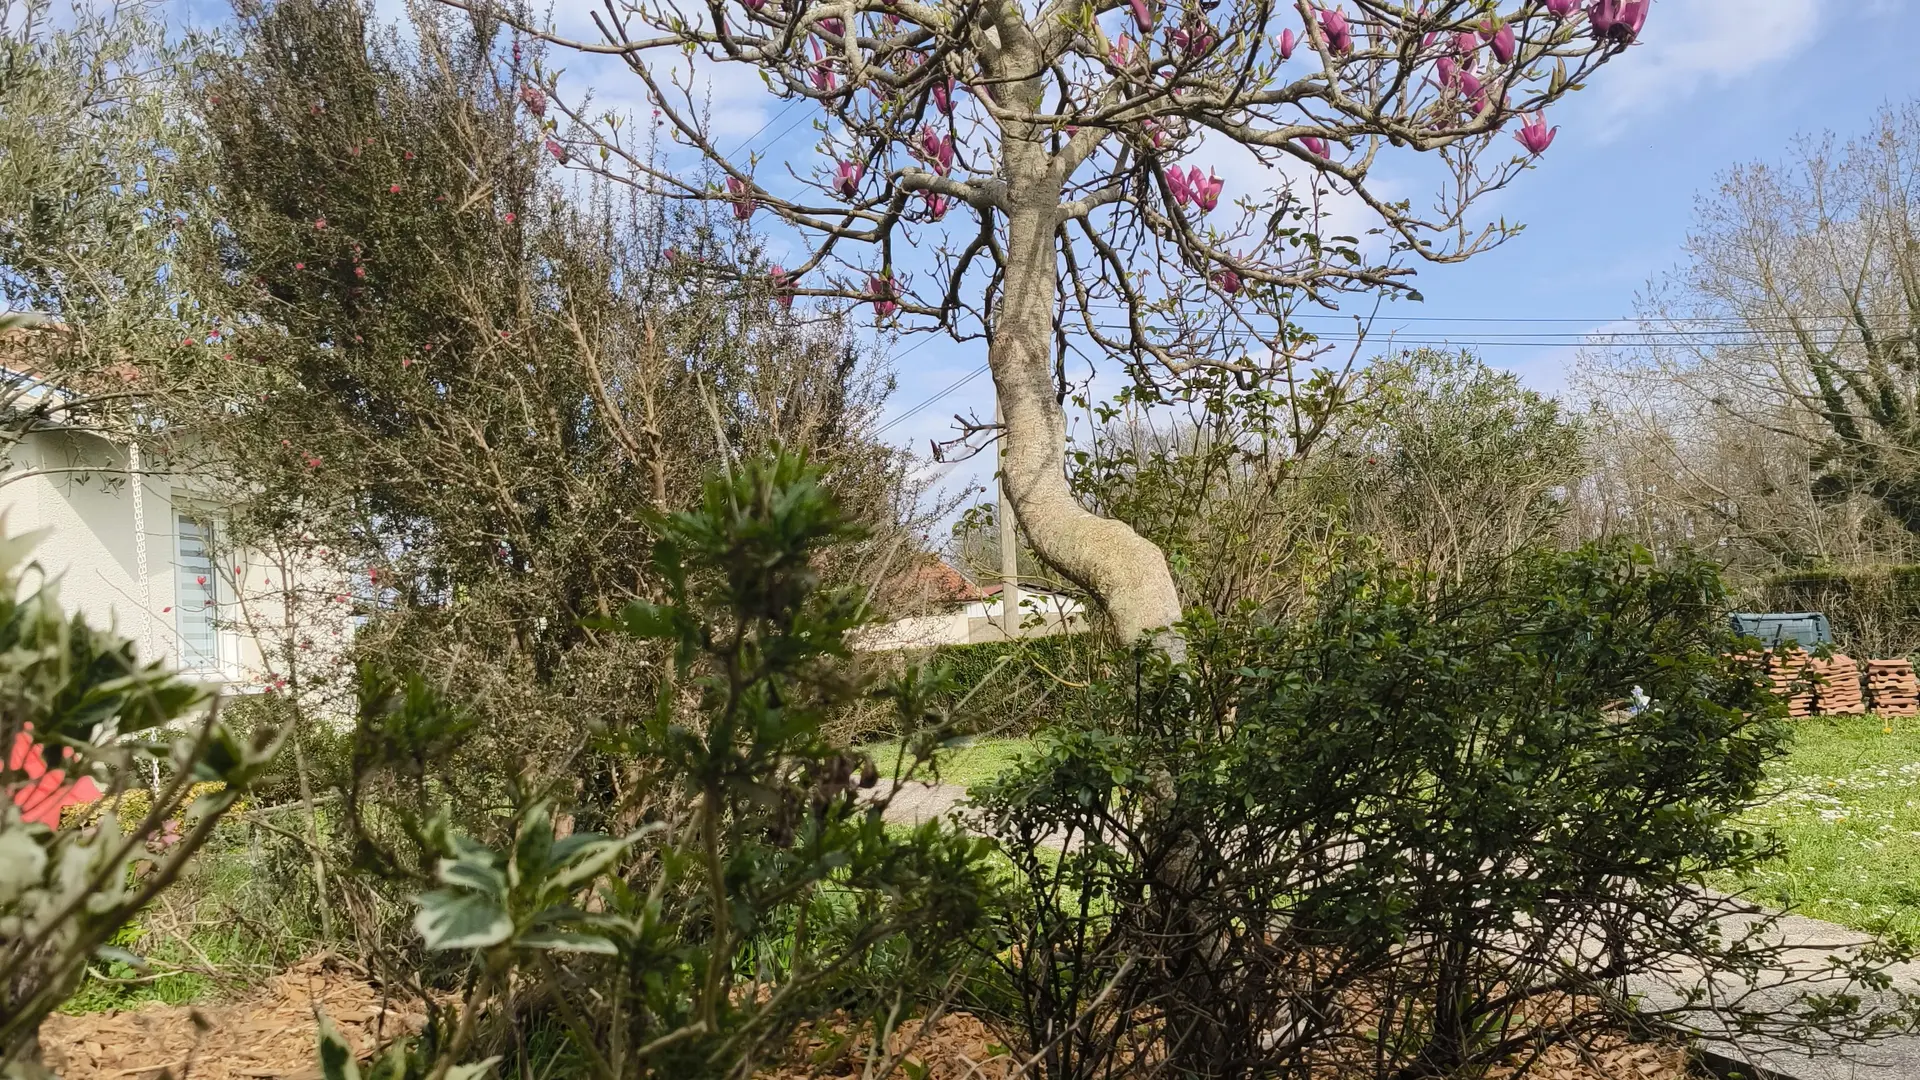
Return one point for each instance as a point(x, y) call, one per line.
point(1785, 362)
point(1058, 136)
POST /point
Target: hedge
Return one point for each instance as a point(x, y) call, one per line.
point(1874, 611)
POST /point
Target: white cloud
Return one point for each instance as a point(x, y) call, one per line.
point(1688, 45)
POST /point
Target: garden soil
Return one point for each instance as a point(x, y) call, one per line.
point(270, 1034)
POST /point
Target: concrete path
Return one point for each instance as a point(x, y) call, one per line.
point(1810, 942)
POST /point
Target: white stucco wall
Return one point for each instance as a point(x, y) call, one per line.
point(76, 487)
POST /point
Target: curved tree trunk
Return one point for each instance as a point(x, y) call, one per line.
point(1125, 573)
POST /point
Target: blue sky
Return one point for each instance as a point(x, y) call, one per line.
point(1714, 83)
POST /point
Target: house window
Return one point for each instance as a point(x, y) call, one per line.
point(196, 592)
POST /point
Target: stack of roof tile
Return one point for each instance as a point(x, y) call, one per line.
point(1893, 688)
point(1793, 680)
point(1836, 688)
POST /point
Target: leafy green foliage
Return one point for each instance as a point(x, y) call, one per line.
point(1416, 828)
point(90, 708)
point(753, 885)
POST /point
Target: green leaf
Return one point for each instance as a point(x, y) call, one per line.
point(559, 942)
point(451, 919)
point(473, 1071)
point(336, 1055)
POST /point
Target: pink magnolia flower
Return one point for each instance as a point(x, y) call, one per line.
point(1197, 41)
point(1618, 21)
point(1228, 281)
point(1502, 43)
point(535, 99)
point(937, 205)
point(1155, 133)
point(1205, 192)
point(782, 283)
point(558, 151)
point(821, 74)
point(943, 96)
point(847, 176)
point(1448, 70)
point(1177, 186)
point(880, 290)
point(1469, 85)
point(754, 5)
point(1466, 43)
point(1285, 42)
point(1535, 135)
point(1142, 16)
point(1333, 23)
point(1122, 52)
point(1315, 145)
point(937, 150)
point(743, 201)
point(834, 26)
point(1560, 9)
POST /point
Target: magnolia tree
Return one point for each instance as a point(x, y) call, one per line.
point(1025, 172)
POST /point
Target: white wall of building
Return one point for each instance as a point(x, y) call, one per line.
point(77, 487)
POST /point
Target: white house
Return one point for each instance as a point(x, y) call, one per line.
point(142, 549)
point(962, 613)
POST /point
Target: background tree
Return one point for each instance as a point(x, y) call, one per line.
point(454, 397)
point(1794, 326)
point(1060, 138)
point(94, 199)
point(1447, 465)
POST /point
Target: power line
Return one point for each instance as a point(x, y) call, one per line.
point(929, 402)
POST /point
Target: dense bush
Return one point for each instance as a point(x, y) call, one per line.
point(1408, 835)
point(745, 886)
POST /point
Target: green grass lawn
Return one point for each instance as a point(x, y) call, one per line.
point(1846, 802)
point(966, 764)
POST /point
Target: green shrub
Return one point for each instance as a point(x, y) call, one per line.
point(1408, 835)
point(89, 707)
point(747, 887)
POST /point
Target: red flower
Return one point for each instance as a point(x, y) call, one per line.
point(299, 266)
point(510, 216)
point(319, 223)
point(201, 580)
point(393, 189)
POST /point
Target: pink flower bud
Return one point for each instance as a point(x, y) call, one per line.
point(535, 99)
point(1333, 23)
point(1618, 22)
point(1535, 135)
point(1205, 191)
point(1177, 186)
point(937, 205)
point(1466, 43)
point(834, 26)
point(1228, 281)
point(782, 283)
point(558, 151)
point(943, 96)
point(743, 201)
point(1122, 52)
point(1142, 17)
point(847, 176)
point(1285, 43)
point(1502, 43)
point(880, 290)
point(1560, 9)
point(754, 5)
point(938, 151)
point(1315, 145)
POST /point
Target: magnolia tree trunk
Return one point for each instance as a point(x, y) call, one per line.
point(1126, 574)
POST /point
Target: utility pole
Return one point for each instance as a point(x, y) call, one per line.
point(1009, 544)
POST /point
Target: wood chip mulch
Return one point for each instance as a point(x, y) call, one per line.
point(269, 1034)
point(272, 1035)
